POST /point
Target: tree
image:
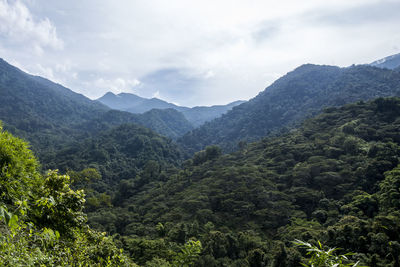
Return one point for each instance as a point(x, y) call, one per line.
point(324, 257)
point(41, 218)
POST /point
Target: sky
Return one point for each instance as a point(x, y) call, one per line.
point(198, 52)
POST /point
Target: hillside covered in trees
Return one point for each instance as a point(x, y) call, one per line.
point(300, 94)
point(335, 179)
point(50, 115)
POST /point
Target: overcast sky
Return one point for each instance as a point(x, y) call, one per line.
point(197, 52)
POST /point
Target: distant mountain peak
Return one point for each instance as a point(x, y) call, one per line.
point(109, 94)
point(136, 104)
point(390, 62)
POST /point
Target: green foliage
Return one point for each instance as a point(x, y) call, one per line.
point(119, 153)
point(324, 257)
point(188, 255)
point(210, 153)
point(334, 179)
point(18, 168)
point(41, 218)
point(59, 207)
point(85, 176)
point(389, 194)
point(323, 181)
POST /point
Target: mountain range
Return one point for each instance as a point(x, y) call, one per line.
point(136, 104)
point(315, 170)
point(31, 104)
point(292, 98)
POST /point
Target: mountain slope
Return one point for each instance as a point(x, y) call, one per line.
point(48, 114)
point(200, 115)
point(390, 62)
point(118, 153)
point(335, 179)
point(292, 98)
point(167, 122)
point(135, 104)
point(40, 101)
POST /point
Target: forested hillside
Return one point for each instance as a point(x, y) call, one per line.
point(168, 122)
point(51, 116)
point(119, 153)
point(288, 101)
point(335, 179)
point(42, 222)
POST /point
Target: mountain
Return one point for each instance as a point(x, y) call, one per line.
point(167, 122)
point(390, 62)
point(41, 111)
point(133, 103)
point(48, 114)
point(335, 179)
point(136, 104)
point(34, 103)
point(299, 94)
point(200, 115)
point(71, 132)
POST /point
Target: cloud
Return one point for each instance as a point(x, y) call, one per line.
point(19, 27)
point(156, 94)
point(213, 52)
point(368, 13)
point(117, 85)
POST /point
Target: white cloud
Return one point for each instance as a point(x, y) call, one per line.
point(219, 51)
point(116, 86)
point(156, 94)
point(18, 26)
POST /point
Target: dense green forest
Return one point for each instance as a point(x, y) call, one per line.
point(300, 94)
point(121, 194)
point(335, 179)
point(42, 222)
point(41, 218)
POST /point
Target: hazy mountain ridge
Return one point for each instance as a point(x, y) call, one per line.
point(39, 97)
point(136, 104)
point(31, 104)
point(390, 62)
point(299, 94)
point(133, 103)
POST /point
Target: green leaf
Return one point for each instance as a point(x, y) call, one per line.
point(13, 222)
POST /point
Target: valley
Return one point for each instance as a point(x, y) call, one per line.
point(314, 157)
